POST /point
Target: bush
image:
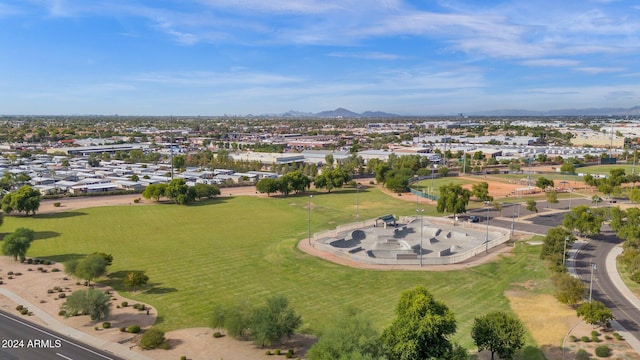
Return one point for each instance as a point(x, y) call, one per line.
point(595, 338)
point(152, 338)
point(19, 307)
point(268, 352)
point(124, 304)
point(24, 311)
point(183, 357)
point(217, 334)
point(602, 351)
point(134, 329)
point(106, 325)
point(585, 339)
point(50, 291)
point(277, 352)
point(123, 329)
point(582, 354)
point(595, 333)
point(62, 295)
point(617, 336)
point(10, 273)
point(56, 204)
point(62, 313)
point(136, 200)
point(55, 270)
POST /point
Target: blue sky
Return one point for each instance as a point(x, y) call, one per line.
point(215, 57)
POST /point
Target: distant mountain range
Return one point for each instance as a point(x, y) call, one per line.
point(344, 113)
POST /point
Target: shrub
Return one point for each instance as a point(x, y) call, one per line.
point(277, 352)
point(56, 204)
point(165, 346)
point(268, 352)
point(47, 262)
point(24, 311)
point(617, 336)
point(183, 357)
point(607, 337)
point(134, 329)
point(10, 273)
point(123, 329)
point(106, 325)
point(595, 338)
point(289, 354)
point(55, 270)
point(29, 261)
point(62, 295)
point(50, 291)
point(585, 339)
point(582, 354)
point(124, 304)
point(19, 307)
point(62, 313)
point(136, 200)
point(152, 338)
point(594, 333)
point(217, 334)
point(602, 351)
point(18, 274)
point(573, 338)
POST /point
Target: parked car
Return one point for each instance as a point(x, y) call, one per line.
point(474, 218)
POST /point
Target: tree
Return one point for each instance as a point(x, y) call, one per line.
point(421, 329)
point(498, 332)
point(206, 191)
point(92, 302)
point(531, 205)
point(596, 199)
point(235, 320)
point(135, 279)
point(568, 289)
point(26, 199)
point(178, 191)
point(544, 183)
point(273, 321)
point(349, 335)
point(17, 243)
point(453, 199)
point(154, 191)
point(481, 191)
point(552, 197)
point(553, 245)
point(594, 313)
point(267, 185)
point(91, 267)
point(585, 220)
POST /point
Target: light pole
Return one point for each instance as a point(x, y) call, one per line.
point(570, 191)
point(357, 202)
point(486, 238)
point(513, 221)
point(309, 220)
point(421, 226)
point(593, 267)
point(564, 251)
point(433, 174)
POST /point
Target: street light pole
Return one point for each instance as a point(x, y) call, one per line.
point(593, 267)
point(564, 251)
point(357, 202)
point(309, 220)
point(421, 226)
point(570, 191)
point(486, 239)
point(513, 221)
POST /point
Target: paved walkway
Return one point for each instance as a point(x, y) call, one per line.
point(57, 326)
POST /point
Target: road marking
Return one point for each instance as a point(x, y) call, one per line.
point(62, 356)
point(55, 336)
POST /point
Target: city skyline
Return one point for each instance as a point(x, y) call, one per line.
point(216, 57)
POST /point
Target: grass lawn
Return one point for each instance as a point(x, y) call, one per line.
point(243, 248)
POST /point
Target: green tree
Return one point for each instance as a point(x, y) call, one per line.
point(585, 220)
point(17, 243)
point(92, 302)
point(26, 199)
point(273, 321)
point(206, 191)
point(453, 199)
point(531, 205)
point(181, 193)
point(552, 197)
point(154, 191)
point(91, 267)
point(421, 329)
point(267, 186)
point(235, 320)
point(544, 183)
point(595, 313)
point(499, 332)
point(349, 335)
point(135, 279)
point(553, 245)
point(481, 191)
point(568, 289)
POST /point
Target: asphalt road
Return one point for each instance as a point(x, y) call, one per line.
point(22, 340)
point(603, 290)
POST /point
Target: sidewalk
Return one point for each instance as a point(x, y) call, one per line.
point(57, 326)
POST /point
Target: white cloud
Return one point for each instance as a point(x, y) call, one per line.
point(365, 55)
point(594, 70)
point(550, 62)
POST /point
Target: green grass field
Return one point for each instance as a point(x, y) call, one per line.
point(243, 248)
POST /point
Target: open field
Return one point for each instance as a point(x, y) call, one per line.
point(233, 249)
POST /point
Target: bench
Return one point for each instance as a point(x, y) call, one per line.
point(406, 256)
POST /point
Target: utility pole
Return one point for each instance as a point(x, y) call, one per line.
point(593, 267)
